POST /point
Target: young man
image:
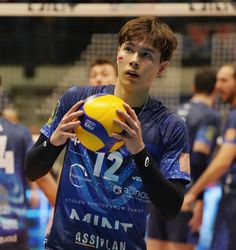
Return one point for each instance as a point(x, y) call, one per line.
point(102, 72)
point(223, 165)
point(15, 141)
point(102, 198)
point(203, 124)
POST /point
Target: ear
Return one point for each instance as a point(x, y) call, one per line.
point(162, 67)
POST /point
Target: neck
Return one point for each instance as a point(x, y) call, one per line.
point(207, 99)
point(135, 98)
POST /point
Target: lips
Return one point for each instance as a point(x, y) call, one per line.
point(132, 73)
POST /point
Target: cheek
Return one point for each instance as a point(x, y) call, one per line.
point(120, 58)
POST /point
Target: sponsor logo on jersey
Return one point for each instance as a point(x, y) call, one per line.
point(131, 193)
point(78, 175)
point(94, 241)
point(53, 115)
point(100, 221)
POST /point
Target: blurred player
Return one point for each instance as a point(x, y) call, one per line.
point(102, 72)
point(15, 141)
point(203, 124)
point(223, 165)
point(102, 198)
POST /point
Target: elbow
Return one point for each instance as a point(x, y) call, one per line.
point(30, 175)
point(29, 171)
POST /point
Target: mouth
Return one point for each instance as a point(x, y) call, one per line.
point(132, 74)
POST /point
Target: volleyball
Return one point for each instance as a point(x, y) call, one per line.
point(97, 126)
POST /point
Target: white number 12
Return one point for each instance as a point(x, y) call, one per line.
point(110, 172)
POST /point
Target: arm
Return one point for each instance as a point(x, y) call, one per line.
point(41, 157)
point(49, 187)
point(218, 166)
point(167, 196)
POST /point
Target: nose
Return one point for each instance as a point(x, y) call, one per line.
point(134, 61)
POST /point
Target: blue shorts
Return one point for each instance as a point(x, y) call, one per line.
point(175, 230)
point(224, 235)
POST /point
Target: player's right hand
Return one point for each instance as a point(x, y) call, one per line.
point(66, 127)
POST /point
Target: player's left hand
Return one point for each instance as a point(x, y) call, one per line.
point(131, 126)
point(196, 220)
point(189, 199)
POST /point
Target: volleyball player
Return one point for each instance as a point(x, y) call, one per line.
point(223, 165)
point(203, 124)
point(15, 141)
point(105, 205)
point(102, 72)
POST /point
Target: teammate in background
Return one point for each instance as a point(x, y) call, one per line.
point(203, 124)
point(102, 72)
point(15, 141)
point(10, 114)
point(223, 165)
point(105, 205)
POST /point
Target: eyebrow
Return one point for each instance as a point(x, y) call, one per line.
point(146, 49)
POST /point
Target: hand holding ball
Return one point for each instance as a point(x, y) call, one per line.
point(97, 126)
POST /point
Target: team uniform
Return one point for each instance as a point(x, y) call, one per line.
point(224, 235)
point(101, 202)
point(203, 124)
point(15, 141)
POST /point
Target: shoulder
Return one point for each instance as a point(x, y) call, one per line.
point(77, 93)
point(164, 117)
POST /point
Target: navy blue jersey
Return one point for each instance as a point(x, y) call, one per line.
point(229, 136)
point(15, 141)
point(203, 123)
point(101, 202)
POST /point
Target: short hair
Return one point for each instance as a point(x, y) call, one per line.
point(101, 61)
point(205, 80)
point(151, 30)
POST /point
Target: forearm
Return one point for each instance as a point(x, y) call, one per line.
point(49, 187)
point(212, 174)
point(199, 163)
point(41, 158)
point(165, 195)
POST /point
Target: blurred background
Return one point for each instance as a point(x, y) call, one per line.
point(47, 47)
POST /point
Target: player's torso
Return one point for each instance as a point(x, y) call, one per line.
point(101, 201)
point(201, 121)
point(229, 136)
point(12, 185)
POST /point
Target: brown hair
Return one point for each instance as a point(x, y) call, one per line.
point(101, 61)
point(152, 31)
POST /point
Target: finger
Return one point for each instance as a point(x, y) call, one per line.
point(128, 130)
point(132, 122)
point(73, 116)
point(70, 135)
point(70, 125)
point(75, 107)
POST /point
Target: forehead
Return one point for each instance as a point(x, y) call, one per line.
point(101, 67)
point(225, 72)
point(142, 45)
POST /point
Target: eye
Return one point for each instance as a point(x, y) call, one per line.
point(146, 55)
point(128, 49)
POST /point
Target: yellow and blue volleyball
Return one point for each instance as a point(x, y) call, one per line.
point(97, 126)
